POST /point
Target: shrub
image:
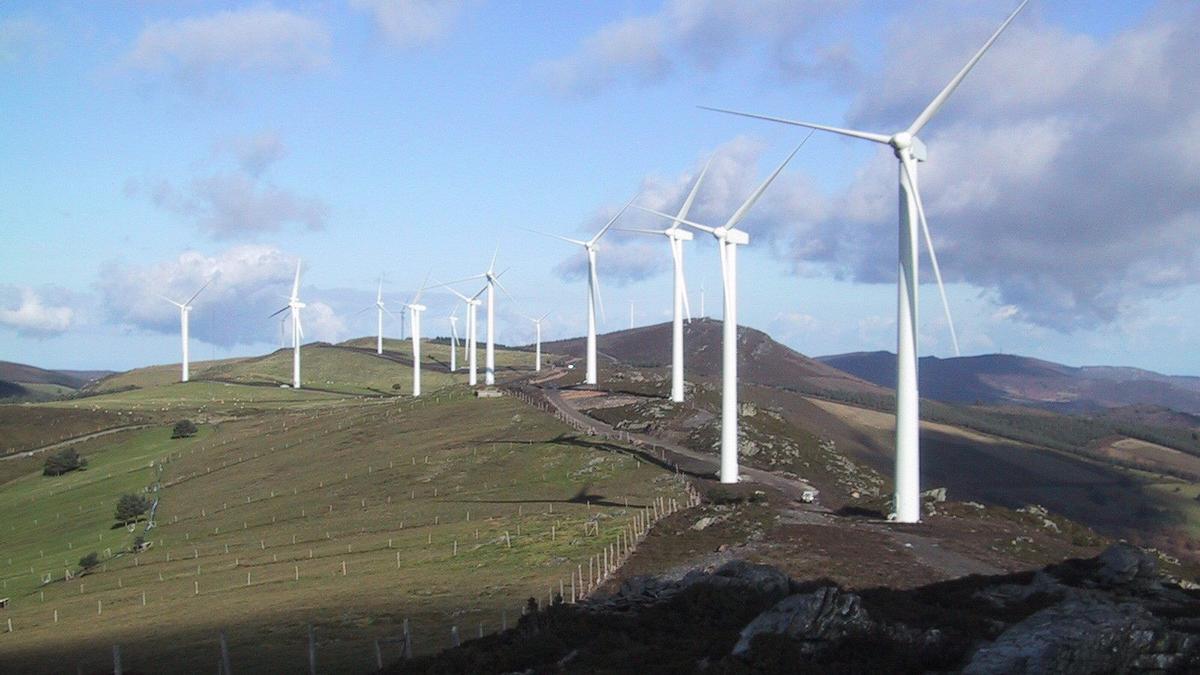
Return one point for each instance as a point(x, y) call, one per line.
point(130, 508)
point(89, 561)
point(183, 429)
point(62, 462)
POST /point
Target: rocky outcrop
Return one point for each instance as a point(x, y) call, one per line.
point(825, 615)
point(1108, 614)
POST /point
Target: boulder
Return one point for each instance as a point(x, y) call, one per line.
point(1126, 565)
point(1081, 634)
point(816, 619)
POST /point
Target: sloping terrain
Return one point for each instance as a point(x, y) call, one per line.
point(1005, 378)
point(761, 360)
point(25, 374)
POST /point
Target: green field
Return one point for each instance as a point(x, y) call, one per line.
point(446, 511)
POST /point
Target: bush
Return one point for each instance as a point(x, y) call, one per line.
point(89, 561)
point(62, 462)
point(130, 508)
point(183, 429)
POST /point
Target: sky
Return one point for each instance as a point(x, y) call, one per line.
point(146, 148)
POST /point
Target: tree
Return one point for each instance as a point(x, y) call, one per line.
point(130, 508)
point(62, 462)
point(183, 429)
point(89, 561)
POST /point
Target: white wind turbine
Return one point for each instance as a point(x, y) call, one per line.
point(472, 303)
point(676, 235)
point(379, 310)
point(728, 239)
point(295, 306)
point(415, 309)
point(185, 309)
point(909, 150)
point(493, 282)
point(537, 341)
point(593, 296)
point(453, 340)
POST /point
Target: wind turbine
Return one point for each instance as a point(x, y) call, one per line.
point(453, 340)
point(415, 309)
point(676, 235)
point(295, 305)
point(593, 297)
point(472, 303)
point(537, 342)
point(909, 150)
point(493, 282)
point(185, 309)
point(380, 308)
point(728, 239)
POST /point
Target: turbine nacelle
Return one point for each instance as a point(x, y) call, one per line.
point(904, 141)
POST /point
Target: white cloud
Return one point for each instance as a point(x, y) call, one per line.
point(699, 33)
point(248, 283)
point(20, 37)
point(411, 23)
point(1060, 175)
point(255, 153)
point(321, 323)
point(253, 40)
point(34, 316)
point(231, 204)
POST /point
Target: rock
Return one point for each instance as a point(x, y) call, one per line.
point(759, 578)
point(703, 523)
point(815, 619)
point(1082, 634)
point(1124, 564)
point(935, 495)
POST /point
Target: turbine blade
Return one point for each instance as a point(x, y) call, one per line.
point(724, 270)
point(177, 304)
point(299, 326)
point(865, 135)
point(596, 290)
point(749, 203)
point(909, 171)
point(379, 294)
point(206, 283)
point(677, 255)
point(447, 287)
point(939, 100)
point(639, 230)
point(687, 203)
point(556, 236)
point(612, 220)
point(296, 283)
point(278, 313)
point(542, 317)
point(492, 265)
point(420, 289)
point(698, 226)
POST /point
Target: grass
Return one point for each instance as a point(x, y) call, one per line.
point(328, 481)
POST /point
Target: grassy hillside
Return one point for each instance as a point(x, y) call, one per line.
point(298, 490)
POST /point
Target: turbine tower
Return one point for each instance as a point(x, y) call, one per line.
point(593, 296)
point(909, 150)
point(676, 235)
point(537, 341)
point(493, 282)
point(453, 340)
point(728, 239)
point(415, 309)
point(472, 303)
point(185, 309)
point(295, 306)
point(379, 310)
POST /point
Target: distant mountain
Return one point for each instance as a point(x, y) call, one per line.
point(761, 360)
point(1005, 378)
point(25, 374)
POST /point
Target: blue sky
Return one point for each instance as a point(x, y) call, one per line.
point(145, 146)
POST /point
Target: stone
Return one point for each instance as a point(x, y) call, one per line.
point(1082, 634)
point(1124, 564)
point(816, 619)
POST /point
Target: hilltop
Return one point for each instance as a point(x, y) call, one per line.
point(1010, 379)
point(23, 382)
